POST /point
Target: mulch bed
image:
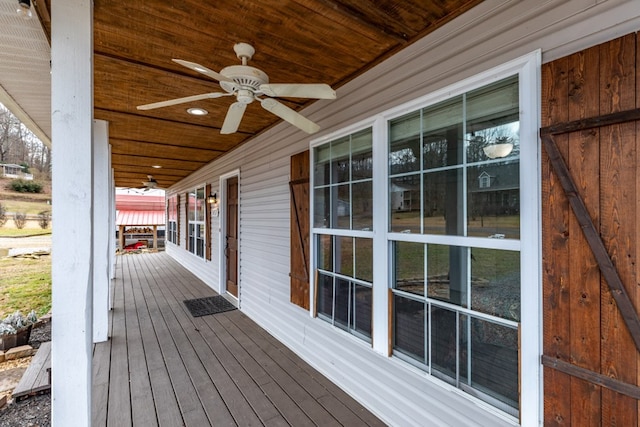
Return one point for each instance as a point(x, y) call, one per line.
point(34, 411)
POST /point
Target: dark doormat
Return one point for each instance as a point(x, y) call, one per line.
point(209, 305)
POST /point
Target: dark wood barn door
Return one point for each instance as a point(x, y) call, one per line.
point(299, 189)
point(591, 368)
point(231, 236)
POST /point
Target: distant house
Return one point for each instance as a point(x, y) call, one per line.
point(9, 170)
point(495, 190)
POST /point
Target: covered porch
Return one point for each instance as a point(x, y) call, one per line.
point(164, 367)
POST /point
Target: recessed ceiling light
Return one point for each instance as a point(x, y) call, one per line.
point(197, 111)
point(156, 166)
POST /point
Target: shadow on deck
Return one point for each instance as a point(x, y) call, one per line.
point(164, 367)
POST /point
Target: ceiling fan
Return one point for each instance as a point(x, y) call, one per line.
point(150, 184)
point(249, 84)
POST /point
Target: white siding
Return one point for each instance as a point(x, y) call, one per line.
point(492, 33)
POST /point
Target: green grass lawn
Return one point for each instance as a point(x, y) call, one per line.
point(25, 285)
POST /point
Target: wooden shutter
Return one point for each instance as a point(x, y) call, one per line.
point(178, 220)
point(299, 189)
point(207, 226)
point(590, 114)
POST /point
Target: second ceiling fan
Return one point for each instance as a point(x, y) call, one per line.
point(249, 84)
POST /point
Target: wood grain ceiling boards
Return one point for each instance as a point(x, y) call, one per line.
point(134, 42)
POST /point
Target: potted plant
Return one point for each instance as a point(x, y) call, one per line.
point(8, 336)
point(22, 325)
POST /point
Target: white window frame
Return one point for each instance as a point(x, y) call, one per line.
point(529, 244)
point(172, 232)
point(198, 221)
point(528, 68)
point(339, 232)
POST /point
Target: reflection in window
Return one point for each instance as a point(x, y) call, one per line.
point(454, 166)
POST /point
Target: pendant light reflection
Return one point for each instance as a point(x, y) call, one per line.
point(502, 148)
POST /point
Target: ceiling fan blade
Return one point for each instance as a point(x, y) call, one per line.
point(182, 100)
point(298, 90)
point(233, 118)
point(202, 70)
point(289, 115)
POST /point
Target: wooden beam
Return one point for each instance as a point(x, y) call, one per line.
point(591, 376)
point(618, 291)
point(592, 122)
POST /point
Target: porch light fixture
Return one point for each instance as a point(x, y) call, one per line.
point(24, 9)
point(197, 111)
point(213, 199)
point(156, 166)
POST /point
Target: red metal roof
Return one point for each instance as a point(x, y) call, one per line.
point(129, 217)
point(131, 202)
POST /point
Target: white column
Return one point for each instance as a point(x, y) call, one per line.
point(72, 254)
point(101, 230)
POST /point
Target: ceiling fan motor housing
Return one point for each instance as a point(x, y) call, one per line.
point(244, 77)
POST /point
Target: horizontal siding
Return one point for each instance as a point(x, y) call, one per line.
point(492, 33)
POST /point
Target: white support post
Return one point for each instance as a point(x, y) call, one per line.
point(72, 262)
point(101, 230)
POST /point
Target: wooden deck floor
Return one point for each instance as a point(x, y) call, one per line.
point(164, 367)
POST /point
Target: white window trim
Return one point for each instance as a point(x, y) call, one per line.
point(203, 221)
point(528, 68)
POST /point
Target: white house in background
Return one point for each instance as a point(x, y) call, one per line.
point(9, 170)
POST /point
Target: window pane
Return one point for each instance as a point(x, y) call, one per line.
point(434, 151)
point(404, 150)
point(344, 255)
point(192, 206)
point(444, 202)
point(495, 283)
point(409, 267)
point(325, 295)
point(321, 171)
point(340, 160)
point(200, 204)
point(364, 259)
point(361, 155)
point(408, 327)
point(362, 206)
point(494, 200)
point(325, 252)
point(442, 127)
point(342, 207)
point(362, 311)
point(342, 302)
point(444, 343)
point(494, 360)
point(404, 199)
point(447, 273)
point(321, 207)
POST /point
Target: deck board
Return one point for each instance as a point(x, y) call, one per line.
point(36, 378)
point(162, 366)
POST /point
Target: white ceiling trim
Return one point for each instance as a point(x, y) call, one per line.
point(25, 70)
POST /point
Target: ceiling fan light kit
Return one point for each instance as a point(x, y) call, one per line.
point(247, 84)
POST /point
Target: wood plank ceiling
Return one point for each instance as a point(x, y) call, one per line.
point(296, 41)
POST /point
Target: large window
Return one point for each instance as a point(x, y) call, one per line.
point(196, 223)
point(426, 235)
point(343, 212)
point(454, 226)
point(172, 219)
